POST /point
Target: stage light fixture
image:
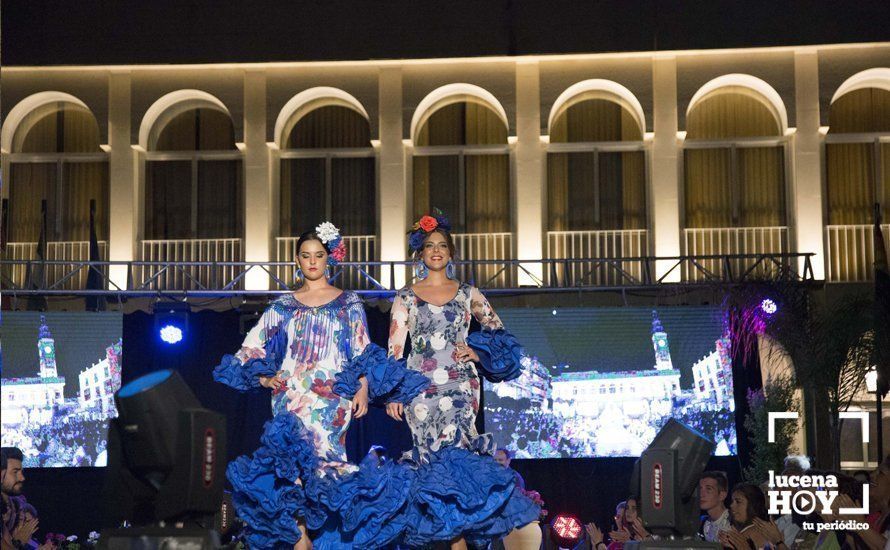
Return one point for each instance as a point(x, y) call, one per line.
point(171, 320)
point(566, 527)
point(768, 306)
point(171, 334)
point(166, 462)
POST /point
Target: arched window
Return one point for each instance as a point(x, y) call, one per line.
point(328, 173)
point(56, 160)
point(596, 185)
point(734, 184)
point(193, 179)
point(462, 165)
point(194, 191)
point(857, 175)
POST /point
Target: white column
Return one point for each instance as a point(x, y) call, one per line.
point(529, 171)
point(257, 185)
point(392, 189)
point(124, 199)
point(807, 171)
point(664, 191)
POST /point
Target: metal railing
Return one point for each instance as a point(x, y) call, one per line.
point(850, 252)
point(485, 247)
point(617, 244)
point(75, 251)
point(186, 264)
point(227, 278)
point(361, 249)
point(744, 243)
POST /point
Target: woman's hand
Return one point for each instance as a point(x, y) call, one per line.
point(639, 529)
point(733, 539)
point(360, 400)
point(395, 410)
point(25, 530)
point(596, 536)
point(621, 535)
point(770, 531)
point(464, 353)
point(274, 383)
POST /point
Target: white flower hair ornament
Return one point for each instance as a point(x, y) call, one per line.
point(330, 236)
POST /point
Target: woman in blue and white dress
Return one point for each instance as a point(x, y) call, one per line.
point(312, 349)
point(459, 492)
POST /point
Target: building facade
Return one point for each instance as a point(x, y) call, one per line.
point(617, 155)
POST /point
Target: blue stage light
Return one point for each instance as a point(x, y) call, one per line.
point(768, 306)
point(171, 334)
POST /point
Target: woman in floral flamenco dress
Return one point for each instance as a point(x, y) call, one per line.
point(459, 493)
point(312, 349)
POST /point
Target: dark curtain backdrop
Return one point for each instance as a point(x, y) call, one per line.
point(68, 499)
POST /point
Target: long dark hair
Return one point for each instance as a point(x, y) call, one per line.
point(756, 503)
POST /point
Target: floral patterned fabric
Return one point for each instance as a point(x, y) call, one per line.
point(458, 489)
point(318, 341)
point(445, 414)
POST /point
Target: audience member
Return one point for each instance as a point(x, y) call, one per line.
point(713, 488)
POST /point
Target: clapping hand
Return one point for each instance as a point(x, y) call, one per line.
point(769, 530)
point(594, 533)
point(733, 539)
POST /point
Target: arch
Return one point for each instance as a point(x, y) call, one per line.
point(763, 92)
point(309, 100)
point(167, 107)
point(870, 78)
point(598, 88)
point(450, 94)
point(27, 106)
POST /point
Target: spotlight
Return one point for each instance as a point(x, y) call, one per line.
point(171, 321)
point(566, 528)
point(166, 461)
point(171, 334)
point(768, 306)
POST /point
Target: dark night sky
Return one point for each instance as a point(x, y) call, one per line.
point(43, 32)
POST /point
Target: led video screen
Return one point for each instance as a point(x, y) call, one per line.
point(600, 382)
point(59, 374)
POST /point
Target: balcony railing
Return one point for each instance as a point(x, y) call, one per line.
point(227, 278)
point(850, 252)
point(732, 241)
point(486, 246)
point(354, 275)
point(614, 244)
point(165, 266)
point(63, 275)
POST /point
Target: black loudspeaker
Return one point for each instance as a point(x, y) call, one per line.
point(195, 485)
point(166, 454)
point(669, 470)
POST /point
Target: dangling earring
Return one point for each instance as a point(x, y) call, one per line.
point(298, 276)
point(327, 272)
point(450, 270)
point(421, 270)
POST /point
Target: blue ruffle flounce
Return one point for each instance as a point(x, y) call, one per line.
point(367, 508)
point(389, 380)
point(461, 493)
point(245, 376)
point(499, 354)
point(265, 490)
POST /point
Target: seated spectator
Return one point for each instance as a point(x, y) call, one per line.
point(748, 505)
point(17, 530)
point(713, 488)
